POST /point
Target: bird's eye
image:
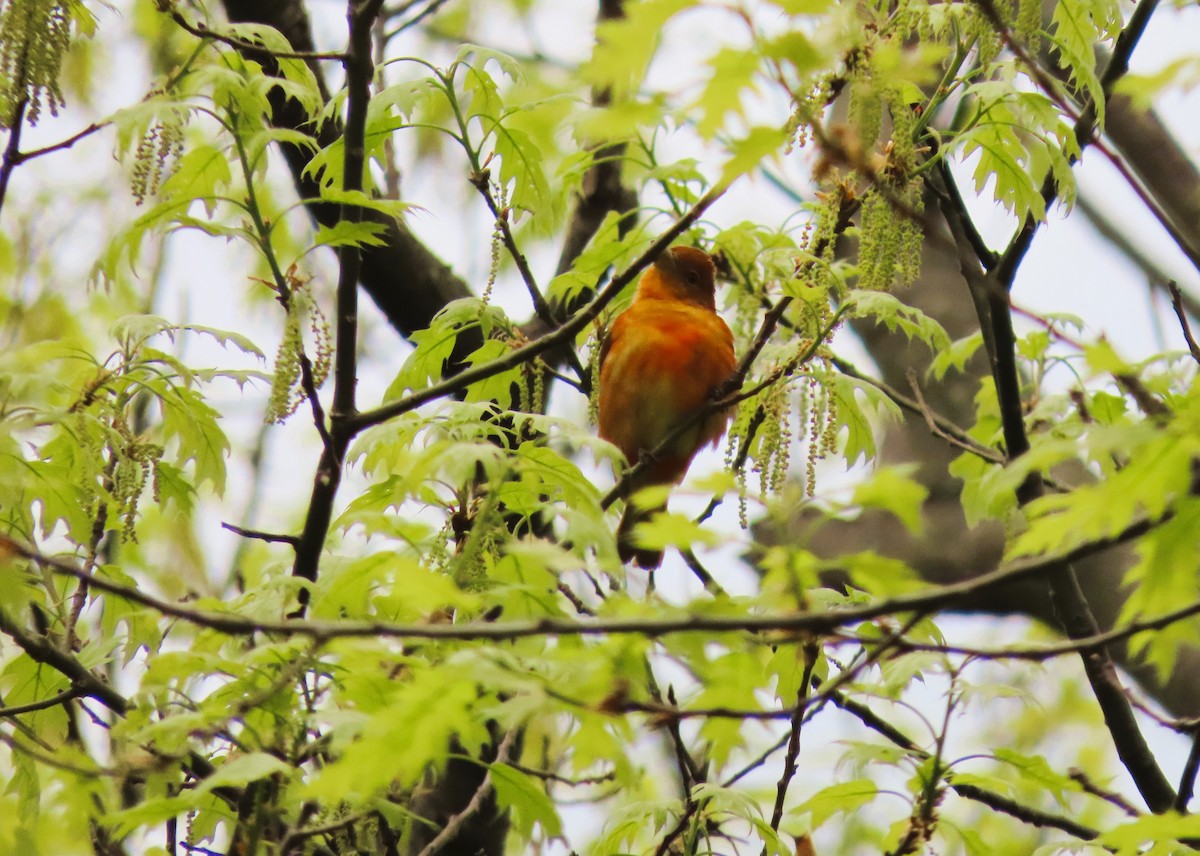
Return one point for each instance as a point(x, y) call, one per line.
point(693, 277)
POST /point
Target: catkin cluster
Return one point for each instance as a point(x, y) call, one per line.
point(136, 465)
point(34, 37)
point(287, 389)
point(159, 148)
point(119, 462)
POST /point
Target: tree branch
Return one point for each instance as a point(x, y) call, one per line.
point(990, 292)
point(203, 31)
point(408, 283)
point(930, 600)
point(12, 150)
point(359, 62)
point(1085, 129)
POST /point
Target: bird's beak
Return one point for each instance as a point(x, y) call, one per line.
point(667, 263)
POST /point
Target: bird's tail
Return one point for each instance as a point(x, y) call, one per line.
point(627, 546)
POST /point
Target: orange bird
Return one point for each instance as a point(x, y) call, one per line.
point(660, 362)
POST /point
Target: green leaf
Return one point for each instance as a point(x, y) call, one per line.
point(732, 77)
point(674, 530)
point(522, 171)
point(1036, 771)
point(1130, 838)
point(850, 418)
point(1165, 577)
point(191, 424)
point(528, 802)
point(243, 770)
point(625, 45)
point(148, 814)
point(408, 734)
point(888, 310)
point(227, 337)
point(747, 154)
point(345, 233)
point(891, 489)
point(201, 174)
point(842, 798)
point(1076, 27)
point(955, 355)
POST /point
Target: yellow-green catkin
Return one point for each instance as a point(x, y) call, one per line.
point(806, 112)
point(821, 242)
point(1029, 24)
point(283, 401)
point(156, 152)
point(890, 233)
point(775, 439)
point(532, 386)
point(497, 242)
point(318, 325)
point(286, 387)
point(34, 38)
point(817, 420)
point(987, 40)
point(866, 112)
point(736, 453)
point(593, 370)
point(139, 463)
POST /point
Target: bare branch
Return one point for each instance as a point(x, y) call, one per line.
point(1181, 314)
point(43, 704)
point(202, 30)
point(12, 151)
point(360, 67)
point(262, 536)
point(934, 598)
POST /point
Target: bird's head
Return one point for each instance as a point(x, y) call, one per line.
point(681, 273)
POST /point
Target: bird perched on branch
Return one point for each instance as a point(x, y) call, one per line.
point(660, 363)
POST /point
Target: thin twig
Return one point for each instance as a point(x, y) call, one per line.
point(1187, 782)
point(1084, 781)
point(1082, 645)
point(931, 418)
point(811, 652)
point(22, 157)
point(17, 709)
point(1032, 816)
point(433, 6)
point(269, 537)
point(1181, 314)
point(706, 579)
point(540, 307)
point(203, 31)
point(821, 622)
point(82, 680)
point(550, 776)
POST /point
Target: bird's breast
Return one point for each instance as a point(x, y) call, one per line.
point(662, 363)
